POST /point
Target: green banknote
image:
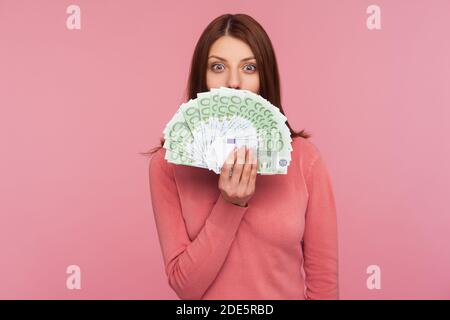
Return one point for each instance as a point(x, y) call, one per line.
point(204, 130)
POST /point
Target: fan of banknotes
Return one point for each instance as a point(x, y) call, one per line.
point(204, 131)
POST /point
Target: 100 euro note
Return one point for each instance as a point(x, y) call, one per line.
point(204, 130)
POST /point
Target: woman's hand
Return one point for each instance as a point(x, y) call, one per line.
point(240, 186)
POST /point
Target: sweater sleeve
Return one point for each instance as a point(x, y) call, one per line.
point(191, 266)
point(320, 242)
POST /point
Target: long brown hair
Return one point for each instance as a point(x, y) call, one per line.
point(247, 29)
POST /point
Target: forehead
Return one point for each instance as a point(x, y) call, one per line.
point(230, 48)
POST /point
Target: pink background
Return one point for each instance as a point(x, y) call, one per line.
point(77, 106)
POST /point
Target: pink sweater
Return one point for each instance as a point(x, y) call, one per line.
point(282, 246)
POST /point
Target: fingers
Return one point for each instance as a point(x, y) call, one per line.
point(253, 172)
point(228, 165)
point(247, 168)
point(238, 165)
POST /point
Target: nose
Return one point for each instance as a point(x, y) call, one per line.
point(234, 80)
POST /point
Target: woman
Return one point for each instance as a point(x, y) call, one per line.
point(236, 235)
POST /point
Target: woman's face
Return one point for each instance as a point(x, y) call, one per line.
point(231, 64)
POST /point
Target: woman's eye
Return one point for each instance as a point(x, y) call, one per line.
point(251, 65)
point(218, 67)
point(216, 64)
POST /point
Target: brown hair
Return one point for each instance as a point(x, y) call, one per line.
point(247, 29)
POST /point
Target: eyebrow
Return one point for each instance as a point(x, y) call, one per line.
point(245, 59)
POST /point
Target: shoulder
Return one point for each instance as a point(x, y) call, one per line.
point(305, 149)
point(305, 153)
point(158, 155)
point(158, 162)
